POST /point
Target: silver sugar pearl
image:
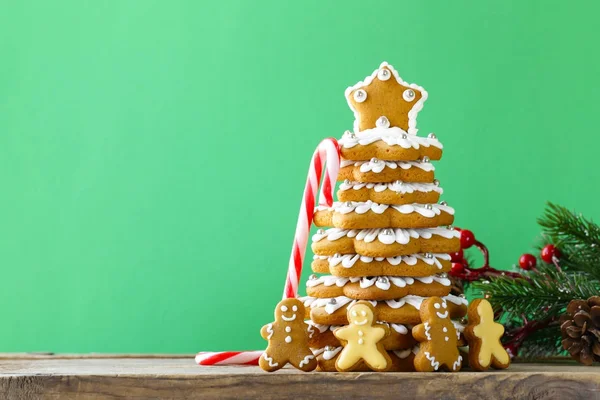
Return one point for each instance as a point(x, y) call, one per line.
point(346, 181)
point(348, 204)
point(425, 159)
point(436, 182)
point(321, 232)
point(443, 203)
point(374, 160)
point(428, 255)
point(332, 301)
point(443, 275)
point(328, 348)
point(387, 232)
point(462, 296)
point(432, 136)
point(404, 136)
point(428, 206)
point(450, 227)
point(382, 279)
point(383, 74)
point(312, 277)
point(408, 95)
point(360, 95)
point(382, 122)
point(352, 136)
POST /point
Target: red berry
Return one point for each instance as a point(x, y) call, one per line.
point(467, 239)
point(527, 262)
point(458, 268)
point(458, 256)
point(550, 251)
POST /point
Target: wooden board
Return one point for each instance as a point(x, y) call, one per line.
point(142, 377)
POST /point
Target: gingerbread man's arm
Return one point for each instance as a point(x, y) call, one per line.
point(418, 333)
point(342, 333)
point(379, 333)
point(310, 330)
point(266, 331)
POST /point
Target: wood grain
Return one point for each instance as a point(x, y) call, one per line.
point(116, 377)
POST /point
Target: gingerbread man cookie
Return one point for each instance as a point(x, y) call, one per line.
point(362, 340)
point(288, 339)
point(384, 100)
point(438, 337)
point(483, 336)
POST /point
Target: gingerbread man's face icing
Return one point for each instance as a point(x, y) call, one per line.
point(438, 309)
point(360, 315)
point(289, 310)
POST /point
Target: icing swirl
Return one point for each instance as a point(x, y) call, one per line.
point(426, 210)
point(393, 136)
point(397, 186)
point(341, 301)
point(385, 236)
point(348, 260)
point(377, 166)
point(381, 282)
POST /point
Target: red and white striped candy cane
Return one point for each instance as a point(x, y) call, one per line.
point(229, 357)
point(328, 152)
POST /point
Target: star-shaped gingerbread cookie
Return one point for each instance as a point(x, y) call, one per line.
point(384, 100)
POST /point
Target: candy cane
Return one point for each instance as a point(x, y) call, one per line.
point(229, 357)
point(327, 152)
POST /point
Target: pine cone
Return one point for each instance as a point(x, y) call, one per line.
point(580, 328)
point(457, 286)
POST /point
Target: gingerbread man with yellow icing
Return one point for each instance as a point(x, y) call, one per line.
point(362, 340)
point(438, 336)
point(483, 336)
point(288, 339)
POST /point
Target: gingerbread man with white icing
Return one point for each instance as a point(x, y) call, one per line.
point(483, 336)
point(288, 339)
point(362, 340)
point(438, 338)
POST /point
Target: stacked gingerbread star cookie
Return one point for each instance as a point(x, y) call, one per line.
point(387, 240)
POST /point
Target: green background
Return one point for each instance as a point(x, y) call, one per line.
point(153, 153)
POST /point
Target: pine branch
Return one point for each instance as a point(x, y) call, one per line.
point(577, 237)
point(540, 294)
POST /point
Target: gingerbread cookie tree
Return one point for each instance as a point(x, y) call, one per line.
point(387, 240)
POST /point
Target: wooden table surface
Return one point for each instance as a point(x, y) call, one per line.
point(27, 376)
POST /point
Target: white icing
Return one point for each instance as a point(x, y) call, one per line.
point(401, 329)
point(306, 360)
point(311, 331)
point(393, 136)
point(386, 236)
point(457, 363)
point(427, 329)
point(330, 354)
point(341, 301)
point(431, 358)
point(327, 280)
point(412, 114)
point(377, 166)
point(269, 360)
point(381, 282)
point(288, 339)
point(358, 207)
point(288, 329)
point(396, 186)
point(288, 319)
point(348, 260)
point(406, 352)
point(270, 331)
